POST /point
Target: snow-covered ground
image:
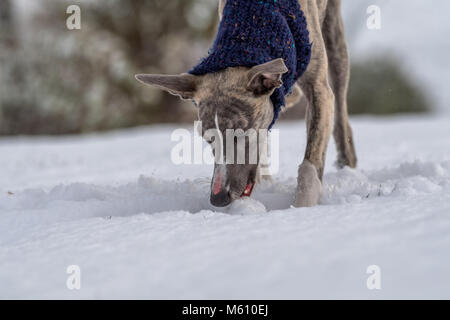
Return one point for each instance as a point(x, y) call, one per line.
point(140, 227)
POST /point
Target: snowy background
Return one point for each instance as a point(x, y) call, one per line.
point(415, 31)
point(139, 226)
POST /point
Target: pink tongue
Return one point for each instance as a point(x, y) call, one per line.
point(217, 184)
point(248, 190)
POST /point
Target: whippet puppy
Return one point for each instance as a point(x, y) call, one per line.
point(239, 97)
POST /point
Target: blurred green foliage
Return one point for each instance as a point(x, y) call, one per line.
point(380, 86)
point(55, 80)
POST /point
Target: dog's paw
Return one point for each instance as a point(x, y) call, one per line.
point(309, 186)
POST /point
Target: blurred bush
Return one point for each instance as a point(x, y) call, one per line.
point(380, 86)
point(58, 81)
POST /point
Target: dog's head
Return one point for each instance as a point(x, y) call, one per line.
point(235, 103)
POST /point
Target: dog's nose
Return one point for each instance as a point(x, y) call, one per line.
point(221, 199)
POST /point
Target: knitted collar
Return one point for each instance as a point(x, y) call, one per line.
point(254, 32)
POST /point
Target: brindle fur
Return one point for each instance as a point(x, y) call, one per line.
point(233, 97)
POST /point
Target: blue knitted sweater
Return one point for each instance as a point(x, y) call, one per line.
point(254, 32)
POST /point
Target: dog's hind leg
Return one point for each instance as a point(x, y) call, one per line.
point(339, 66)
point(317, 90)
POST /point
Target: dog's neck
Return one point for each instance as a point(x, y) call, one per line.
point(254, 32)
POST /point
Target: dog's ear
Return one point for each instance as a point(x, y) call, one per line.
point(264, 78)
point(183, 85)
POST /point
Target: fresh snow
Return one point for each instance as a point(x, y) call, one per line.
point(139, 226)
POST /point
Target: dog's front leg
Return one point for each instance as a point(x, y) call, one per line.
point(317, 90)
